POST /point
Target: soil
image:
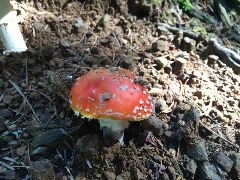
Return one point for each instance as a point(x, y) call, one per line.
point(194, 131)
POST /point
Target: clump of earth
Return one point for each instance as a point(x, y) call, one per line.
point(193, 132)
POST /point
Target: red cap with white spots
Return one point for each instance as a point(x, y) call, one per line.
point(110, 94)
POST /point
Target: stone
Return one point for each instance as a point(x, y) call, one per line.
point(223, 161)
point(138, 174)
point(160, 45)
point(156, 91)
point(198, 152)
point(162, 62)
point(171, 172)
point(7, 99)
point(207, 171)
point(189, 44)
point(88, 142)
point(191, 166)
point(5, 113)
point(161, 104)
point(109, 175)
point(212, 59)
point(153, 124)
point(236, 165)
point(42, 170)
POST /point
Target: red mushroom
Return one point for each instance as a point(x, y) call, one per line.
point(112, 97)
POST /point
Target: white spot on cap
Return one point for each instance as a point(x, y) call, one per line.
point(136, 108)
point(90, 99)
point(94, 91)
point(114, 80)
point(87, 110)
point(79, 98)
point(123, 87)
point(144, 92)
point(109, 111)
point(103, 78)
point(137, 88)
point(77, 84)
point(141, 101)
point(131, 80)
point(113, 96)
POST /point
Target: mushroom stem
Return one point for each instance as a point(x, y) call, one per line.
point(114, 128)
point(9, 30)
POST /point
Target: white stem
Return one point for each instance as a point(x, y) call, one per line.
point(114, 128)
point(10, 33)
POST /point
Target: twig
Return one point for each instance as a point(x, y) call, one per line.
point(176, 30)
point(227, 56)
point(118, 43)
point(227, 141)
point(24, 97)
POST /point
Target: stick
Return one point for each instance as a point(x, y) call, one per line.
point(236, 146)
point(24, 97)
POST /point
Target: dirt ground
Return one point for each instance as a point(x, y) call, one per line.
point(194, 131)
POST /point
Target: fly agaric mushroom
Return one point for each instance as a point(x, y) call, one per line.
point(9, 30)
point(112, 97)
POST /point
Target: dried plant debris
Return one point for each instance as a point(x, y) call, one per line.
point(183, 56)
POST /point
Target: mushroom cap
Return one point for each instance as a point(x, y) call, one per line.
point(104, 93)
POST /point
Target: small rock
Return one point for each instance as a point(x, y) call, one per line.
point(7, 99)
point(163, 30)
point(38, 26)
point(212, 59)
point(88, 142)
point(109, 175)
point(153, 124)
point(47, 51)
point(224, 161)
point(5, 113)
point(180, 61)
point(119, 177)
point(42, 170)
point(138, 174)
point(236, 165)
point(157, 158)
point(8, 174)
point(105, 41)
point(3, 126)
point(198, 152)
point(160, 45)
point(197, 74)
point(171, 172)
point(155, 172)
point(161, 105)
point(165, 176)
point(94, 50)
point(189, 44)
point(127, 62)
point(156, 91)
point(191, 166)
point(90, 60)
point(162, 62)
point(207, 171)
point(177, 65)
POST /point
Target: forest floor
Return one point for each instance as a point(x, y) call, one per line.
point(194, 131)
